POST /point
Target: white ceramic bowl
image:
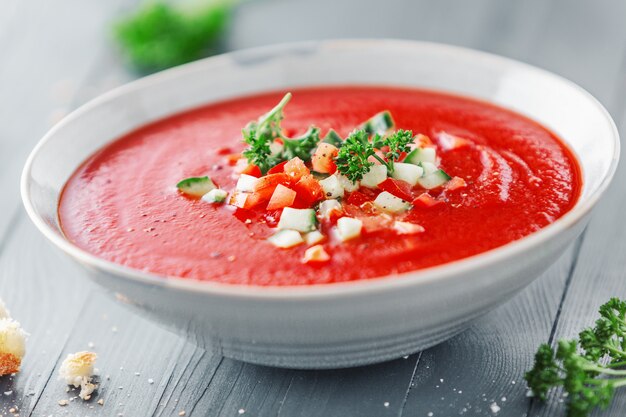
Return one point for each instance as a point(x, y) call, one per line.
point(335, 325)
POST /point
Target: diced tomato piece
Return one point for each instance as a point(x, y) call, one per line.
point(264, 189)
point(232, 158)
point(315, 254)
point(253, 170)
point(456, 183)
point(282, 197)
point(277, 168)
point(357, 198)
point(426, 200)
point(296, 169)
point(376, 223)
point(309, 189)
point(400, 189)
point(406, 228)
point(323, 160)
point(422, 141)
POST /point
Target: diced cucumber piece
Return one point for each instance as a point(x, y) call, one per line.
point(328, 206)
point(434, 180)
point(421, 155)
point(407, 172)
point(333, 138)
point(313, 237)
point(390, 203)
point(196, 186)
point(428, 167)
point(376, 175)
point(246, 183)
point(215, 196)
point(332, 187)
point(380, 123)
point(286, 239)
point(348, 228)
point(348, 185)
point(302, 220)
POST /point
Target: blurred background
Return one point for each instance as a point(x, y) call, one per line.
point(57, 55)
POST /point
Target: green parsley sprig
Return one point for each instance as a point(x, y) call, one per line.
point(353, 157)
point(589, 383)
point(160, 36)
point(259, 135)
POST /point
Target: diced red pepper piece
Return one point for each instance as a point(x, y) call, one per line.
point(232, 158)
point(252, 170)
point(296, 169)
point(323, 160)
point(426, 200)
point(224, 151)
point(400, 189)
point(277, 168)
point(357, 198)
point(282, 197)
point(309, 189)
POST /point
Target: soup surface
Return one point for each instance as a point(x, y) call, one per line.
point(511, 177)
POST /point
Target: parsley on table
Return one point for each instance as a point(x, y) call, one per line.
point(582, 373)
point(160, 36)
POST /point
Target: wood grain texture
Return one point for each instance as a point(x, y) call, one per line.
point(58, 69)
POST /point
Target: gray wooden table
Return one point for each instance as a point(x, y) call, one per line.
point(55, 55)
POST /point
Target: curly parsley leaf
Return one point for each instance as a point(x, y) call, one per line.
point(260, 134)
point(353, 157)
point(583, 374)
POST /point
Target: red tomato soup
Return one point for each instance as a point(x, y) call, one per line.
point(510, 178)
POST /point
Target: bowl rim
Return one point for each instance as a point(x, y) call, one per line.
point(390, 282)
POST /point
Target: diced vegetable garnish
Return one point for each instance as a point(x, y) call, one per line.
point(406, 228)
point(399, 188)
point(286, 239)
point(407, 172)
point(313, 237)
point(333, 138)
point(215, 196)
point(357, 198)
point(276, 169)
point(323, 160)
point(332, 187)
point(380, 123)
point(309, 189)
point(302, 220)
point(252, 170)
point(347, 185)
point(449, 142)
point(428, 167)
point(282, 197)
point(421, 155)
point(196, 186)
point(348, 228)
point(456, 183)
point(246, 183)
point(315, 254)
point(434, 180)
point(329, 207)
point(426, 200)
point(296, 169)
point(390, 203)
point(238, 199)
point(376, 175)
